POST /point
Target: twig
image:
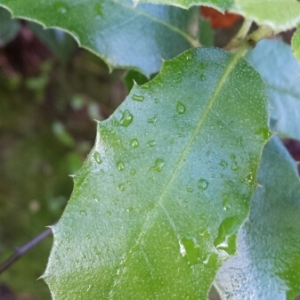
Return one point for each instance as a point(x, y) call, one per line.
point(238, 38)
point(20, 251)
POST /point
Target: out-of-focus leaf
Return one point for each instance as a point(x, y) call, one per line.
point(278, 14)
point(124, 36)
point(156, 207)
point(267, 265)
point(59, 42)
point(219, 20)
point(220, 5)
point(8, 27)
point(296, 43)
point(275, 62)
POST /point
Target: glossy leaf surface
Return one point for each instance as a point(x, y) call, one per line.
point(268, 263)
point(157, 204)
point(279, 14)
point(281, 71)
point(220, 5)
point(120, 34)
point(296, 44)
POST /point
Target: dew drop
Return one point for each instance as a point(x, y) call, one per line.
point(151, 143)
point(202, 184)
point(146, 86)
point(223, 164)
point(122, 187)
point(138, 98)
point(189, 56)
point(264, 133)
point(152, 120)
point(180, 108)
point(97, 157)
point(177, 77)
point(182, 249)
point(120, 166)
point(226, 202)
point(126, 119)
point(227, 235)
point(134, 143)
point(192, 250)
point(158, 165)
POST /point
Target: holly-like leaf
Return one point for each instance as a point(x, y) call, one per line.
point(278, 14)
point(158, 202)
point(122, 35)
point(268, 262)
point(220, 5)
point(8, 27)
point(296, 43)
point(275, 62)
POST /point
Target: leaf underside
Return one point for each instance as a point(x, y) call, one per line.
point(280, 70)
point(278, 14)
point(220, 5)
point(123, 36)
point(268, 262)
point(156, 207)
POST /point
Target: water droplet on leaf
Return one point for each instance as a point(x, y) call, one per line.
point(97, 157)
point(126, 119)
point(264, 133)
point(138, 98)
point(227, 235)
point(122, 187)
point(158, 165)
point(134, 143)
point(152, 120)
point(151, 143)
point(180, 108)
point(202, 184)
point(120, 166)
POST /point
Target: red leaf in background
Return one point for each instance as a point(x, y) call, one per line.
point(219, 20)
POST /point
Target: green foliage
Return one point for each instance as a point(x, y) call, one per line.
point(281, 72)
point(279, 14)
point(268, 262)
point(166, 191)
point(172, 214)
point(110, 29)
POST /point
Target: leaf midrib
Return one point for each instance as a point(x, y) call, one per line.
point(181, 160)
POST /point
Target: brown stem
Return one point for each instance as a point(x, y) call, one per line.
point(20, 251)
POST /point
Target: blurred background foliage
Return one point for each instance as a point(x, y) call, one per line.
point(50, 94)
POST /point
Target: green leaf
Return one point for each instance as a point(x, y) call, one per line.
point(278, 14)
point(8, 27)
point(156, 207)
point(278, 67)
point(220, 5)
point(268, 262)
point(123, 36)
point(296, 43)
